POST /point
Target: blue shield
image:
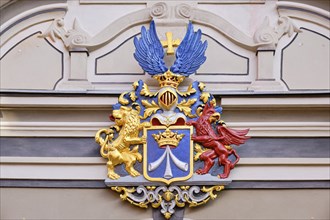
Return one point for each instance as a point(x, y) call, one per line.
point(168, 156)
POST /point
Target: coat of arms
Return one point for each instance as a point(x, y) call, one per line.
point(168, 147)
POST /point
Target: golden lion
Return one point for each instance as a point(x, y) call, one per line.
point(118, 151)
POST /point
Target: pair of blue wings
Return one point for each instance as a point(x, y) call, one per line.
point(150, 54)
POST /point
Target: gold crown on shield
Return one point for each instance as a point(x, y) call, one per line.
point(168, 138)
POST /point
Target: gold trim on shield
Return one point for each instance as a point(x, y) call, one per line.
point(145, 165)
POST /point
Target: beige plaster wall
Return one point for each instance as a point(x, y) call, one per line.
point(105, 204)
point(306, 62)
point(20, 68)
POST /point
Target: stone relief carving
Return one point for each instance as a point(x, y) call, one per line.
point(264, 37)
point(271, 35)
point(159, 10)
point(184, 11)
point(30, 18)
point(70, 38)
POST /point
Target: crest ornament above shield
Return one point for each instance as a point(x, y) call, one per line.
point(168, 148)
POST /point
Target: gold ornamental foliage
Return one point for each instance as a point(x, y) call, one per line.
point(151, 108)
point(185, 107)
point(135, 85)
point(133, 96)
point(190, 90)
point(204, 97)
point(213, 102)
point(122, 100)
point(201, 86)
point(146, 92)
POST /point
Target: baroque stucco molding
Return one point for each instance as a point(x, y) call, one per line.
point(30, 18)
point(79, 38)
point(75, 36)
point(265, 36)
point(304, 12)
point(271, 35)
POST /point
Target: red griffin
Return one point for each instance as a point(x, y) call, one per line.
point(217, 143)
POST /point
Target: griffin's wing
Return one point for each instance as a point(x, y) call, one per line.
point(232, 136)
point(190, 53)
point(149, 51)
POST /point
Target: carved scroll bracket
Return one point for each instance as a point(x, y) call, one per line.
point(269, 36)
point(71, 38)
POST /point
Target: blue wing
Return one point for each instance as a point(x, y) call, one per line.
point(190, 53)
point(149, 51)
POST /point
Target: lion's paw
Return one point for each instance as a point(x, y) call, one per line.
point(113, 175)
point(134, 173)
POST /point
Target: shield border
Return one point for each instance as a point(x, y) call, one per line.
point(191, 163)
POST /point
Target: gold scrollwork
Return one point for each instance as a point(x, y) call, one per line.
point(166, 197)
point(211, 190)
point(178, 203)
point(125, 193)
point(158, 203)
point(192, 203)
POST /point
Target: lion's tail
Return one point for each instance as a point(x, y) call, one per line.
point(105, 146)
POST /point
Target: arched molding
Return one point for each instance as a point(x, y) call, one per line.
point(304, 12)
point(265, 36)
point(6, 3)
point(176, 14)
point(29, 18)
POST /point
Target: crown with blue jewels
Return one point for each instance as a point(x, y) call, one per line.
point(190, 55)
